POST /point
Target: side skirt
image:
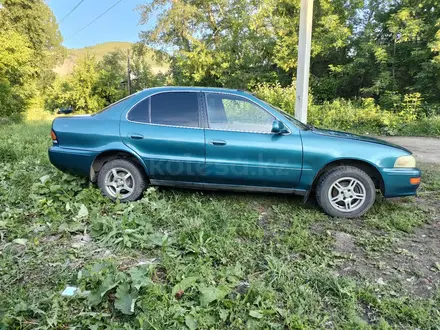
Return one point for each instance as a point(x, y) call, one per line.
point(215, 186)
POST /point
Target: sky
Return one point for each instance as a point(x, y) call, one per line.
point(120, 24)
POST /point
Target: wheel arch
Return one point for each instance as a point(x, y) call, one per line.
point(363, 165)
point(109, 155)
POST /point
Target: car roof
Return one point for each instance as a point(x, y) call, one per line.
point(193, 89)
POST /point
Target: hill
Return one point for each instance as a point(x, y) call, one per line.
point(99, 51)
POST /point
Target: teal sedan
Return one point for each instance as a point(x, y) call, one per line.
point(212, 138)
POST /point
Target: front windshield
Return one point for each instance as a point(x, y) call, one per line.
point(289, 117)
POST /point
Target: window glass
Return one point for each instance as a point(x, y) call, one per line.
point(292, 119)
point(238, 114)
point(177, 109)
point(113, 105)
point(140, 112)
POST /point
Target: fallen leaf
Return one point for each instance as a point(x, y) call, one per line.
point(256, 314)
point(44, 178)
point(77, 245)
point(83, 212)
point(179, 294)
point(21, 241)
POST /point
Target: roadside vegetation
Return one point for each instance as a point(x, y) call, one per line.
point(189, 259)
point(181, 259)
point(374, 66)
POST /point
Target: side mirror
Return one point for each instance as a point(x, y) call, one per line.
point(278, 127)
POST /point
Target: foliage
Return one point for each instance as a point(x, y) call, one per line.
point(78, 90)
point(35, 21)
point(111, 72)
point(199, 260)
point(423, 127)
point(93, 85)
point(359, 115)
point(234, 43)
point(16, 73)
point(30, 46)
point(100, 50)
point(36, 111)
point(359, 48)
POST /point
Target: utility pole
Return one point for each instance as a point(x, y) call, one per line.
point(303, 70)
point(128, 73)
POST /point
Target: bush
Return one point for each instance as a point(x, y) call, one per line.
point(358, 115)
point(343, 114)
point(424, 127)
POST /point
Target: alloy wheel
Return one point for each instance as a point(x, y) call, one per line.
point(119, 183)
point(347, 194)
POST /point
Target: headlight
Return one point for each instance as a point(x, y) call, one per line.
point(405, 161)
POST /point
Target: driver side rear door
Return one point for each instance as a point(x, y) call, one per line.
point(165, 130)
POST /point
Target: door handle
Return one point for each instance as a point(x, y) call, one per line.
point(217, 142)
point(136, 136)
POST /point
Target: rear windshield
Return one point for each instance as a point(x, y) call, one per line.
point(112, 105)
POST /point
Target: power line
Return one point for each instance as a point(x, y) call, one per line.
point(85, 27)
point(70, 12)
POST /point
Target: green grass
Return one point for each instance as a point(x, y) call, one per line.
point(182, 259)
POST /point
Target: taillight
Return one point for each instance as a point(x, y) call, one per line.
point(53, 136)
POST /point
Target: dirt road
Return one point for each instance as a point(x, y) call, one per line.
point(426, 150)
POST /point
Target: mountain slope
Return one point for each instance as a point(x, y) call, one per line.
point(99, 50)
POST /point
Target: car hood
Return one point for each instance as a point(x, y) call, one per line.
point(345, 135)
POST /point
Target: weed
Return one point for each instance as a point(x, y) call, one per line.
point(181, 259)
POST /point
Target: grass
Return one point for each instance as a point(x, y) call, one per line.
point(182, 259)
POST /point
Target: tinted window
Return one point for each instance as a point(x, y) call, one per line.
point(177, 109)
point(140, 112)
point(238, 114)
point(113, 105)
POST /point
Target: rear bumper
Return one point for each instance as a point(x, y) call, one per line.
point(73, 161)
point(397, 181)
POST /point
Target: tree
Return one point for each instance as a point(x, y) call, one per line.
point(240, 43)
point(30, 46)
point(112, 71)
point(143, 73)
point(34, 20)
point(94, 85)
point(392, 53)
point(16, 73)
point(384, 49)
point(78, 90)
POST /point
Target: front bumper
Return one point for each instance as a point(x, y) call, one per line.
point(397, 181)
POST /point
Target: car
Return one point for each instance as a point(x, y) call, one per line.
point(65, 111)
point(214, 138)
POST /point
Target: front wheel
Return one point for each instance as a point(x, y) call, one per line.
point(346, 192)
point(121, 179)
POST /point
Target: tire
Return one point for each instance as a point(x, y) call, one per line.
point(121, 179)
point(345, 192)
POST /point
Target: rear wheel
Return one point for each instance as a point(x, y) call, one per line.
point(346, 192)
point(121, 179)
